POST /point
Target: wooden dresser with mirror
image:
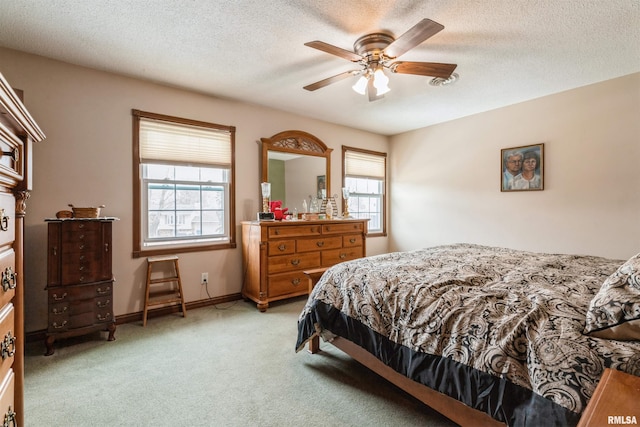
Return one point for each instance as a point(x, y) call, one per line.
point(18, 132)
point(277, 253)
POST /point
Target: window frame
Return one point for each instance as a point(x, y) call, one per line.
point(139, 250)
point(383, 211)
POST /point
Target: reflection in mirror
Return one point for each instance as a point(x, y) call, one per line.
point(295, 177)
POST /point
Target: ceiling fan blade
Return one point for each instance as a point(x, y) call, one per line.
point(326, 82)
point(433, 69)
point(413, 37)
point(334, 50)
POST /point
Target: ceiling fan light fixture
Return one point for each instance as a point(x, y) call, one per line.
point(380, 82)
point(361, 85)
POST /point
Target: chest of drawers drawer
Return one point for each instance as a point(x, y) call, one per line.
point(337, 256)
point(294, 231)
point(7, 219)
point(319, 243)
point(281, 247)
point(7, 338)
point(279, 264)
point(7, 398)
point(351, 240)
point(8, 279)
point(287, 284)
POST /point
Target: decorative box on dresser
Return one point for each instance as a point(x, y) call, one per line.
point(276, 254)
point(79, 278)
point(18, 132)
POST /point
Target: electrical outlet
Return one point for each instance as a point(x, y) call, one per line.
point(205, 278)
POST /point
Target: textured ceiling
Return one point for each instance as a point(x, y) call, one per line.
point(507, 51)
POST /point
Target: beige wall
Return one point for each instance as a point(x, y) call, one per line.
point(86, 160)
point(445, 185)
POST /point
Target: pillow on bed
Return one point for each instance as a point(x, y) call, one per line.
point(614, 312)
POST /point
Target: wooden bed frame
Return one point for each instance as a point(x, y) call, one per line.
point(453, 409)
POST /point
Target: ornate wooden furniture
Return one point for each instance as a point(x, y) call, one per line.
point(79, 278)
point(18, 131)
point(276, 254)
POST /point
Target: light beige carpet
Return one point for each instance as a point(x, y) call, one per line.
point(228, 365)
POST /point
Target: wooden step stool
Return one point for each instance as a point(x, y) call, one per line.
point(172, 295)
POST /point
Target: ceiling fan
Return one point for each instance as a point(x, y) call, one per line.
point(376, 52)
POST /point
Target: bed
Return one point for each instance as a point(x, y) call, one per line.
point(484, 334)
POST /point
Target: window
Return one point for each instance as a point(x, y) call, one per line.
point(364, 174)
point(183, 185)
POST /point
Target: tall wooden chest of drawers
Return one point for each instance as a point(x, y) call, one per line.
point(18, 133)
point(79, 278)
point(276, 254)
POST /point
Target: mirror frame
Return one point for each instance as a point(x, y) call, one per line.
point(296, 142)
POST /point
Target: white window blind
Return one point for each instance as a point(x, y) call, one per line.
point(364, 165)
point(180, 143)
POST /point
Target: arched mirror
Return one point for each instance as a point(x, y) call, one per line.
point(298, 165)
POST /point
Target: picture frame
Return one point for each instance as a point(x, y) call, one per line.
point(322, 186)
point(515, 175)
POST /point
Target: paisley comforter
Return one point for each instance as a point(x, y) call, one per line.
point(500, 330)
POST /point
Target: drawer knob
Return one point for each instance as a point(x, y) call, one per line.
point(352, 240)
point(8, 279)
point(10, 418)
point(105, 317)
point(295, 282)
point(276, 231)
point(56, 326)
point(101, 291)
point(282, 247)
point(320, 243)
point(55, 310)
point(295, 261)
point(103, 304)
point(8, 346)
point(343, 256)
point(4, 221)
point(59, 298)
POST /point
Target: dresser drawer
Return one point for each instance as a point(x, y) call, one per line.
point(73, 231)
point(320, 243)
point(288, 283)
point(281, 247)
point(336, 256)
point(280, 264)
point(351, 240)
point(293, 230)
point(355, 227)
point(61, 294)
point(7, 219)
point(7, 399)
point(7, 276)
point(7, 339)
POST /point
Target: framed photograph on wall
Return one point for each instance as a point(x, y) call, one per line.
point(522, 168)
point(322, 187)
